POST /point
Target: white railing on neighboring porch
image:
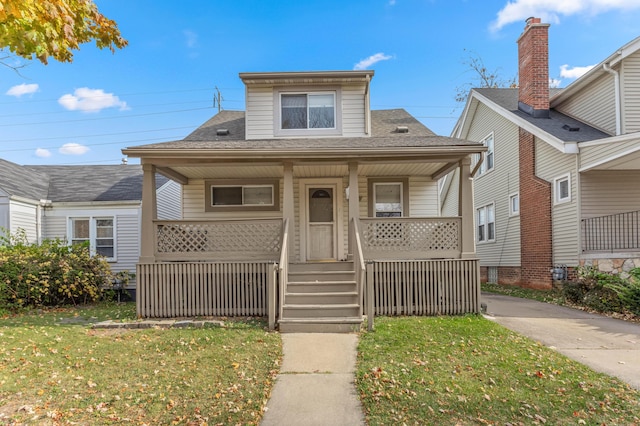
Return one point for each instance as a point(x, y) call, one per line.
point(283, 277)
point(217, 239)
point(407, 238)
point(359, 268)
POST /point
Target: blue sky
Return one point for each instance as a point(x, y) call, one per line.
point(162, 86)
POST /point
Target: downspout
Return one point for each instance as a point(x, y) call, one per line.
point(367, 101)
point(616, 76)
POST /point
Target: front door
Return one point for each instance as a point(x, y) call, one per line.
point(321, 222)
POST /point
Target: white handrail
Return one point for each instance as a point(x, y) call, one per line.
point(283, 266)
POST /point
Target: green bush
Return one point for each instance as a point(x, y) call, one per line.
point(628, 292)
point(49, 274)
point(594, 290)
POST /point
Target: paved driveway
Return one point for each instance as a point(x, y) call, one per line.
point(605, 344)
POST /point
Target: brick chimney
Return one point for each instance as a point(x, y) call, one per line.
point(533, 69)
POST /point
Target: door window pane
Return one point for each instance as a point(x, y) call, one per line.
point(321, 205)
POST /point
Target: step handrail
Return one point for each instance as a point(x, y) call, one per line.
point(360, 271)
point(283, 266)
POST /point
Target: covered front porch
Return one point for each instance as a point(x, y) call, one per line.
point(252, 263)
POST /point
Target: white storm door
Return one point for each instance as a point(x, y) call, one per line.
point(321, 223)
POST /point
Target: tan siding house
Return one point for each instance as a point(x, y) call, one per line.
point(573, 157)
point(308, 208)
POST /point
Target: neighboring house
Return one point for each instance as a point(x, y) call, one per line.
point(99, 204)
point(559, 184)
point(284, 203)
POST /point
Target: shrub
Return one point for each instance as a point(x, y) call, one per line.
point(49, 274)
point(629, 292)
point(594, 290)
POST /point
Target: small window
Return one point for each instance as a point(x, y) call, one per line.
point(99, 232)
point(487, 164)
point(486, 223)
point(388, 199)
point(562, 187)
point(308, 111)
point(514, 205)
point(237, 195)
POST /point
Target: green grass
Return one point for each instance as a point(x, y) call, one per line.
point(471, 371)
point(55, 369)
point(549, 296)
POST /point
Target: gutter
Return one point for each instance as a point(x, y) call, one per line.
point(616, 77)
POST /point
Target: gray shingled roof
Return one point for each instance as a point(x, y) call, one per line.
point(74, 183)
point(383, 125)
point(554, 125)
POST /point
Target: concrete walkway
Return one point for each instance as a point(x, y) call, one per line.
point(605, 344)
point(315, 385)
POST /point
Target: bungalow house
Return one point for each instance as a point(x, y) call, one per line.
point(310, 209)
point(558, 185)
point(99, 204)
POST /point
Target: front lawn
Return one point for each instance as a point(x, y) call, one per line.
point(471, 371)
point(55, 369)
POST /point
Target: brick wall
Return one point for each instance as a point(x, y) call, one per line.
point(535, 219)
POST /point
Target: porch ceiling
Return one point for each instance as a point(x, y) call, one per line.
point(255, 171)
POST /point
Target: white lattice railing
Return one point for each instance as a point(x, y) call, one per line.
point(411, 238)
point(220, 239)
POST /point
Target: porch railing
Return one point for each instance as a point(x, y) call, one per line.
point(611, 233)
point(283, 272)
point(360, 270)
point(255, 239)
point(411, 238)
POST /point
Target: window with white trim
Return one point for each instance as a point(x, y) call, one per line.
point(514, 204)
point(562, 189)
point(308, 110)
point(487, 164)
point(99, 232)
point(387, 199)
point(486, 224)
point(236, 195)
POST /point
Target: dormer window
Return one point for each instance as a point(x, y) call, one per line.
point(302, 112)
point(308, 111)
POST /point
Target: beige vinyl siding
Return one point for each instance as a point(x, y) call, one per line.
point(23, 216)
point(169, 201)
point(353, 110)
point(496, 186)
point(606, 192)
point(259, 113)
point(260, 110)
point(595, 154)
point(551, 164)
point(423, 197)
point(449, 199)
point(594, 104)
point(631, 93)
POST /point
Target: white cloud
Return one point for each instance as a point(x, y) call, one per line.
point(392, 2)
point(73, 149)
point(22, 89)
point(43, 153)
point(555, 82)
point(191, 38)
point(551, 10)
point(575, 72)
point(91, 100)
point(373, 59)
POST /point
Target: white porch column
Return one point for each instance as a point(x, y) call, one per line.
point(465, 210)
point(288, 211)
point(149, 214)
point(354, 198)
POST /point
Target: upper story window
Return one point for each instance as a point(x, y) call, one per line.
point(98, 231)
point(486, 224)
point(514, 204)
point(487, 164)
point(308, 111)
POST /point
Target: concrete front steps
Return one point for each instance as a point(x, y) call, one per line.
point(321, 297)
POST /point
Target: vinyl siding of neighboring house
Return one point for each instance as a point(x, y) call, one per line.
point(594, 104)
point(631, 90)
point(551, 164)
point(169, 200)
point(4, 211)
point(260, 110)
point(607, 192)
point(594, 153)
point(449, 195)
point(496, 186)
point(24, 216)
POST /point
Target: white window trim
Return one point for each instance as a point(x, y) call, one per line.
point(556, 187)
point(486, 224)
point(482, 170)
point(277, 109)
point(93, 233)
point(511, 211)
